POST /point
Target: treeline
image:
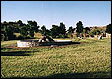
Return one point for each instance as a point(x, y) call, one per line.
point(27, 30)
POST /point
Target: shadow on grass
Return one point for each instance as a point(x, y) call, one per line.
point(16, 53)
point(58, 43)
point(81, 75)
point(28, 53)
point(76, 75)
point(3, 48)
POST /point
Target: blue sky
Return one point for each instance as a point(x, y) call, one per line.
point(91, 13)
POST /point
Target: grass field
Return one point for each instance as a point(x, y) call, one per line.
point(91, 59)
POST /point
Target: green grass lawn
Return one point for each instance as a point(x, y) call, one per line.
point(91, 59)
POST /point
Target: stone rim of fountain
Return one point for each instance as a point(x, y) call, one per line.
point(45, 40)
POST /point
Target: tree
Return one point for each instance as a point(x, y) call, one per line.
point(24, 31)
point(31, 33)
point(79, 27)
point(108, 29)
point(87, 30)
point(43, 30)
point(58, 31)
point(9, 33)
point(55, 31)
point(48, 32)
point(20, 23)
point(62, 29)
point(70, 30)
point(95, 32)
point(32, 27)
point(5, 33)
point(7, 30)
point(15, 26)
point(2, 33)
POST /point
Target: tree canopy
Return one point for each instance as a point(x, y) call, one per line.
point(54, 31)
point(8, 29)
point(108, 29)
point(43, 30)
point(79, 27)
point(71, 29)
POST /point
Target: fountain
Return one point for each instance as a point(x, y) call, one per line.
point(44, 41)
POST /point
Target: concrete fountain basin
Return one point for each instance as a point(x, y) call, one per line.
point(33, 43)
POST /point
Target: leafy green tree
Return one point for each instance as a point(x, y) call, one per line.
point(32, 27)
point(31, 33)
point(62, 29)
point(20, 23)
point(24, 31)
point(58, 31)
point(4, 30)
point(6, 33)
point(55, 31)
point(2, 33)
point(19, 27)
point(48, 32)
point(108, 29)
point(95, 32)
point(7, 30)
point(79, 27)
point(9, 33)
point(43, 30)
point(87, 30)
point(70, 29)
point(15, 26)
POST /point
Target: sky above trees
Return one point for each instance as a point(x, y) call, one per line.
point(48, 13)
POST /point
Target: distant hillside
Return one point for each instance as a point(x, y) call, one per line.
point(100, 28)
